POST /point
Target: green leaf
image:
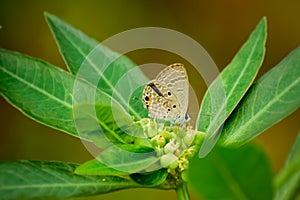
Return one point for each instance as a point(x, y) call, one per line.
point(230, 86)
point(105, 124)
point(272, 98)
point(295, 152)
point(287, 182)
point(73, 44)
point(40, 90)
point(97, 64)
point(129, 158)
point(95, 167)
point(154, 178)
point(44, 93)
point(41, 180)
point(225, 173)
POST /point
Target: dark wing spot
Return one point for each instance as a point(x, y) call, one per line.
point(169, 93)
point(147, 98)
point(174, 106)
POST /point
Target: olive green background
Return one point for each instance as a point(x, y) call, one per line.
point(220, 26)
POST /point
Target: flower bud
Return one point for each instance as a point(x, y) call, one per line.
point(171, 147)
point(184, 175)
point(175, 129)
point(144, 121)
point(199, 137)
point(158, 140)
point(151, 129)
point(188, 138)
point(168, 160)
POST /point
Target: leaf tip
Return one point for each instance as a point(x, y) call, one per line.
point(49, 17)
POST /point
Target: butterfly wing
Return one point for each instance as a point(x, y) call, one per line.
point(175, 78)
point(159, 102)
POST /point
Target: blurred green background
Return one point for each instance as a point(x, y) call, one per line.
point(220, 26)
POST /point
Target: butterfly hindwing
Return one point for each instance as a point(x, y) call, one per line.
point(175, 77)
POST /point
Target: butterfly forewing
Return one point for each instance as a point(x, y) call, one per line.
point(166, 97)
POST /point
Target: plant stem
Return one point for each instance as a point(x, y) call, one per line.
point(182, 192)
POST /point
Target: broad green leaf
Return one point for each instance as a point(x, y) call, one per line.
point(97, 64)
point(41, 91)
point(287, 181)
point(129, 158)
point(44, 93)
point(154, 178)
point(272, 98)
point(230, 86)
point(95, 167)
point(241, 174)
point(54, 180)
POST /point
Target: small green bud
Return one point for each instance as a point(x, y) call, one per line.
point(175, 129)
point(145, 121)
point(184, 176)
point(159, 151)
point(190, 152)
point(151, 129)
point(173, 165)
point(168, 159)
point(199, 137)
point(167, 128)
point(165, 134)
point(172, 171)
point(171, 147)
point(158, 140)
point(172, 135)
point(188, 139)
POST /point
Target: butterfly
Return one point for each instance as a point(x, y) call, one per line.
point(166, 97)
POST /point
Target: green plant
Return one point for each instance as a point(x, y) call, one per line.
point(44, 93)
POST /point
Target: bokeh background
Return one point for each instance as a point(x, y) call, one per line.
point(221, 27)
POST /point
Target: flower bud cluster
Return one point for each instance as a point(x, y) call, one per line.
point(175, 145)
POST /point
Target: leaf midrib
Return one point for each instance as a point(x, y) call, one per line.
point(51, 96)
point(129, 164)
point(30, 85)
point(235, 84)
point(265, 108)
point(99, 73)
point(62, 185)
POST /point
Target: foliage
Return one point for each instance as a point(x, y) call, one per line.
point(238, 111)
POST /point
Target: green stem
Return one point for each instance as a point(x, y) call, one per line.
point(182, 192)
